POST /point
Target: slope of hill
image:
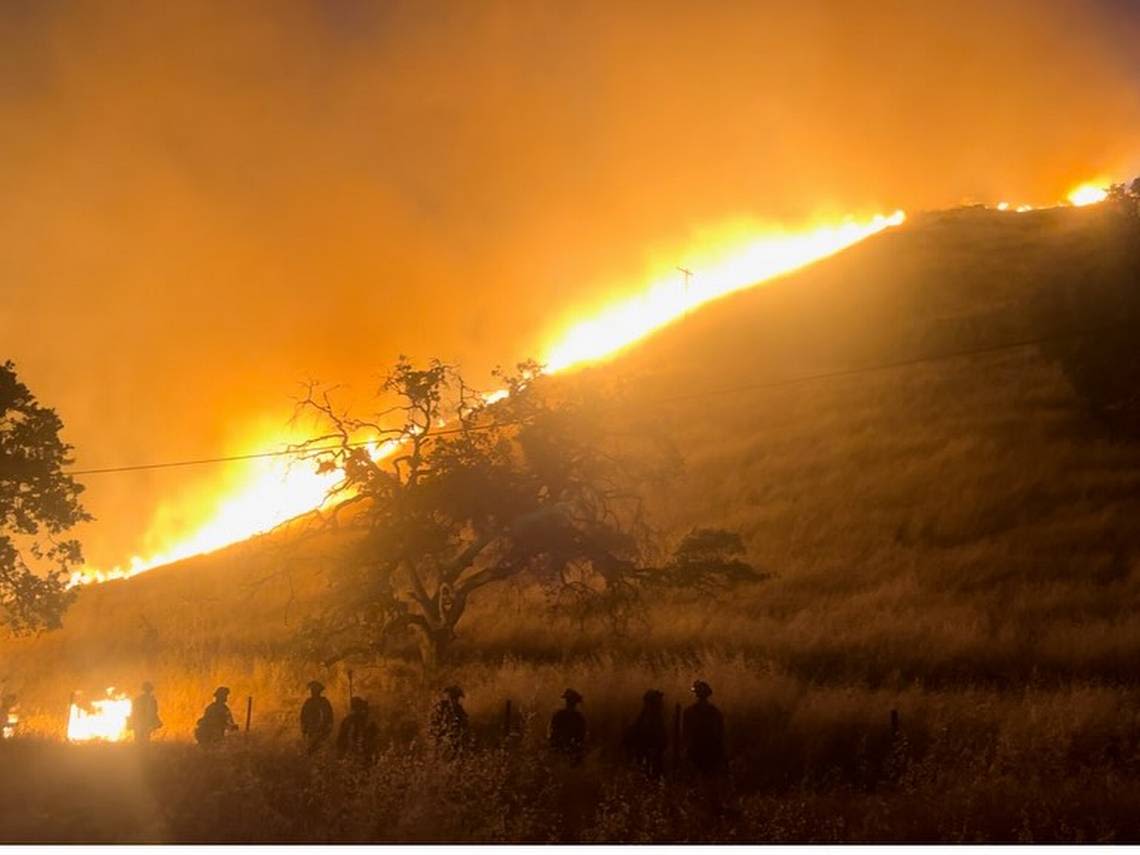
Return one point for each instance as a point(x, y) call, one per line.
point(938, 528)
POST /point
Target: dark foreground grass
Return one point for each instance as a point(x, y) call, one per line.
point(887, 790)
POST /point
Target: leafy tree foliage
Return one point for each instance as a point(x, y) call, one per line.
point(38, 504)
point(1126, 198)
point(473, 494)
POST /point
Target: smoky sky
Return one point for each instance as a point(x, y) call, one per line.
point(204, 204)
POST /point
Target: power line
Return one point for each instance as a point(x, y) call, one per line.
point(745, 387)
point(884, 366)
point(139, 467)
point(298, 450)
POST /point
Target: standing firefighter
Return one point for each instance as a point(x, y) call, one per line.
point(448, 725)
point(316, 717)
point(703, 733)
point(144, 714)
point(568, 728)
point(646, 739)
point(216, 721)
point(359, 736)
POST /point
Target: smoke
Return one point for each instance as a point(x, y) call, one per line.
point(205, 203)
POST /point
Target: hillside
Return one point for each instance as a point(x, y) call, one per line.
point(951, 523)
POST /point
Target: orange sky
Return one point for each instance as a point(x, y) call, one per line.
point(206, 203)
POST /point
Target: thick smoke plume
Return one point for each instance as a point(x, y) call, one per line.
point(205, 203)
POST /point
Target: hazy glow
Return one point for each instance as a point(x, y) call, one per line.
point(726, 260)
point(278, 489)
point(318, 222)
point(1088, 194)
point(100, 719)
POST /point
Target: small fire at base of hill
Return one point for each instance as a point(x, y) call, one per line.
point(105, 719)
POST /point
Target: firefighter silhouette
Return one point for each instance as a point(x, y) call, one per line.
point(567, 735)
point(646, 739)
point(316, 717)
point(448, 725)
point(217, 721)
point(144, 718)
point(702, 733)
point(359, 737)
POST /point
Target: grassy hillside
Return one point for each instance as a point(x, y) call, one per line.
point(954, 538)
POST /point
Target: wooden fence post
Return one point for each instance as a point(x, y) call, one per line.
point(248, 713)
point(677, 738)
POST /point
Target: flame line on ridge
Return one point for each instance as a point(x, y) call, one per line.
point(748, 261)
point(728, 260)
point(86, 577)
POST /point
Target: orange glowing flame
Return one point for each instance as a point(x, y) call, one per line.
point(721, 261)
point(273, 491)
point(1087, 194)
point(720, 267)
point(106, 719)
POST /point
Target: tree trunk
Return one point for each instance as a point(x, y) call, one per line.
point(434, 645)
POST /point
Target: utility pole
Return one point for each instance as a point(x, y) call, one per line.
point(686, 275)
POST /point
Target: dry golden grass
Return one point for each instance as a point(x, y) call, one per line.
point(955, 540)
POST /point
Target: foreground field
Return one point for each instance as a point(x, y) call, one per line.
point(953, 538)
point(1042, 764)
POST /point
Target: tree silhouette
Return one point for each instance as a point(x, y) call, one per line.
point(1095, 313)
point(38, 504)
point(473, 494)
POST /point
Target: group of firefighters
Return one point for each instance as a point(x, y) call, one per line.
point(645, 740)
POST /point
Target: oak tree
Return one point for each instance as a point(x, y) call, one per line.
point(448, 494)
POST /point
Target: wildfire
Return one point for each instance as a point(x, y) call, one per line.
point(727, 267)
point(722, 261)
point(277, 489)
point(1087, 194)
point(103, 718)
point(9, 724)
